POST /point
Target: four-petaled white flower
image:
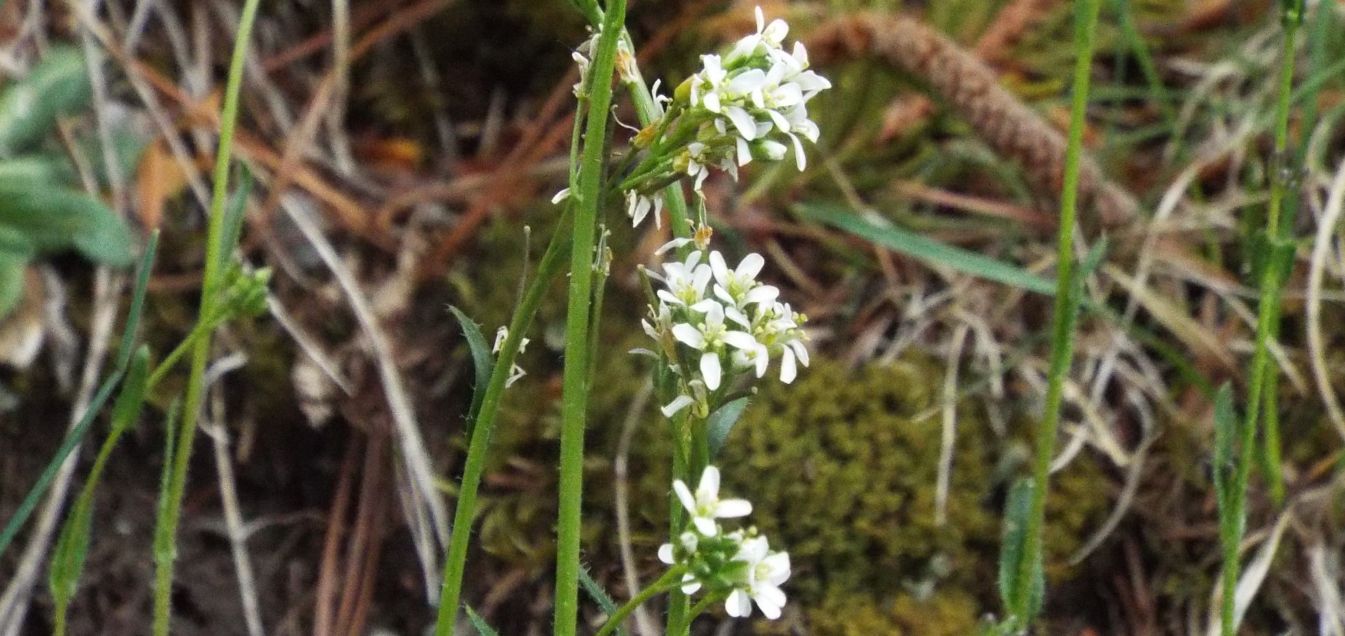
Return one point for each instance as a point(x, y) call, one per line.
point(705, 505)
point(686, 281)
point(766, 571)
point(739, 287)
point(710, 338)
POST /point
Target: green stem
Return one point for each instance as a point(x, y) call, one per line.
point(1267, 311)
point(456, 561)
point(172, 511)
point(1063, 318)
point(670, 579)
point(574, 385)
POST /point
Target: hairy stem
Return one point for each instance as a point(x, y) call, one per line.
point(170, 514)
point(1064, 315)
point(1267, 312)
point(670, 579)
point(574, 379)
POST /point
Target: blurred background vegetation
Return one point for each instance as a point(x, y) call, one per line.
point(425, 135)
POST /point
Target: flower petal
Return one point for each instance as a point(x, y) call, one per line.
point(684, 495)
point(738, 604)
point(710, 370)
point(787, 369)
point(688, 335)
point(741, 340)
point(706, 526)
point(680, 402)
point(665, 553)
point(747, 127)
point(708, 488)
point(733, 508)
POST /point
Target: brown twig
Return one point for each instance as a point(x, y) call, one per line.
point(331, 546)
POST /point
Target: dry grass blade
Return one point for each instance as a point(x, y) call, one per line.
point(1326, 230)
point(427, 515)
point(1008, 125)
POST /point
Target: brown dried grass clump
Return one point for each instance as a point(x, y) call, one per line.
point(971, 89)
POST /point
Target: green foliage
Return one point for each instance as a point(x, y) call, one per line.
point(38, 213)
point(56, 87)
point(51, 218)
point(95, 405)
point(1012, 550)
point(482, 627)
point(482, 361)
point(841, 467)
point(721, 423)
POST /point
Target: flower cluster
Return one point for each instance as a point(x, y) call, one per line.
point(758, 94)
point(714, 324)
point(738, 565)
point(751, 102)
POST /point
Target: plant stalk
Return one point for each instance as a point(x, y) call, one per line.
point(574, 379)
point(172, 511)
point(1267, 313)
point(1064, 315)
point(669, 580)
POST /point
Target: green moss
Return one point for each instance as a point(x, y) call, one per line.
point(842, 467)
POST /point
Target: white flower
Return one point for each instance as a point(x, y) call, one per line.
point(706, 506)
point(739, 287)
point(766, 571)
point(516, 372)
point(638, 206)
point(561, 196)
point(686, 281)
point(710, 338)
point(769, 35)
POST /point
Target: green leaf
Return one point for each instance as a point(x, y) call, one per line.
point(721, 423)
point(56, 87)
point(482, 359)
point(1276, 254)
point(599, 595)
point(1226, 428)
point(482, 628)
point(1013, 548)
point(67, 559)
point(72, 439)
point(56, 219)
point(72, 547)
point(126, 410)
point(137, 300)
point(165, 544)
point(930, 251)
point(33, 169)
point(235, 210)
point(12, 281)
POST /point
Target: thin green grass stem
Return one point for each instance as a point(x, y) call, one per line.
point(170, 514)
point(1267, 314)
point(574, 378)
point(1063, 318)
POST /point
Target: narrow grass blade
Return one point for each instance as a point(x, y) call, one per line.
point(930, 251)
point(71, 441)
point(235, 210)
point(137, 306)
